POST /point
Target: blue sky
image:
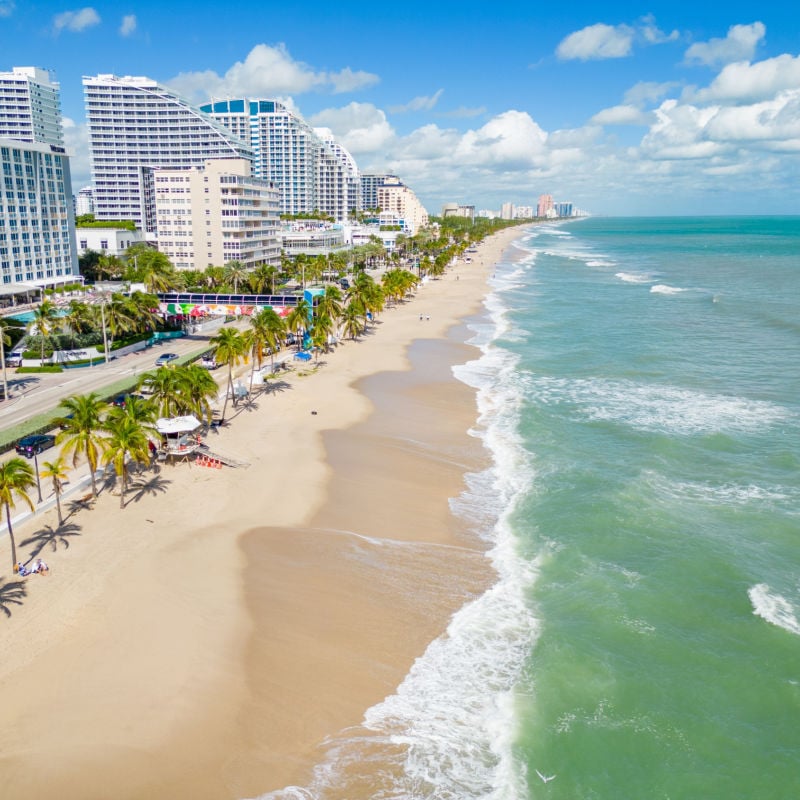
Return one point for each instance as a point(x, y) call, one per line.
point(619, 108)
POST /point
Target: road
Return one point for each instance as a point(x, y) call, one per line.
point(40, 393)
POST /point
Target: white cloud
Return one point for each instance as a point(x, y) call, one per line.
point(75, 21)
point(595, 42)
point(7, 8)
point(739, 45)
point(510, 140)
point(128, 25)
point(750, 82)
point(360, 127)
point(266, 72)
point(601, 41)
point(622, 115)
point(648, 92)
point(421, 103)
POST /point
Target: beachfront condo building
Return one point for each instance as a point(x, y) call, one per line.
point(37, 221)
point(215, 214)
point(369, 188)
point(312, 171)
point(137, 126)
point(338, 179)
point(395, 197)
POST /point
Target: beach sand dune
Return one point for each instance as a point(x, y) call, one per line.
point(206, 639)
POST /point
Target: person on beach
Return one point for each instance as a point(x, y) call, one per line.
point(20, 569)
point(39, 568)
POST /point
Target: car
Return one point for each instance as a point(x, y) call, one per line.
point(208, 361)
point(14, 360)
point(29, 446)
point(121, 400)
point(344, 283)
point(165, 358)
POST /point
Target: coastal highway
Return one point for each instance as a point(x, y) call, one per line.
point(31, 394)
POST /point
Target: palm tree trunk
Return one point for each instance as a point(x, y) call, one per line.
point(58, 505)
point(11, 537)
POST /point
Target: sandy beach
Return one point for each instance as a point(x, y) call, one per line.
point(204, 641)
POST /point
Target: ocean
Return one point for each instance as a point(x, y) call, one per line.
point(639, 393)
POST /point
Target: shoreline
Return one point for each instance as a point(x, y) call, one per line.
point(168, 652)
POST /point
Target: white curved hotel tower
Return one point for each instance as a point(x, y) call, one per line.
point(136, 126)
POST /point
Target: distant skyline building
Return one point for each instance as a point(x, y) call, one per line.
point(217, 213)
point(137, 126)
point(507, 211)
point(37, 221)
point(84, 202)
point(544, 207)
point(456, 210)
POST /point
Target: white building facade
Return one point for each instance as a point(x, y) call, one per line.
point(30, 106)
point(217, 213)
point(37, 221)
point(137, 126)
point(312, 171)
point(37, 226)
point(111, 241)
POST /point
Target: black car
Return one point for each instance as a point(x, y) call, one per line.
point(121, 400)
point(344, 283)
point(28, 446)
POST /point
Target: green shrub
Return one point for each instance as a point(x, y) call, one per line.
point(48, 368)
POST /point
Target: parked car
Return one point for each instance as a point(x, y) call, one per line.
point(344, 283)
point(28, 446)
point(208, 361)
point(121, 399)
point(165, 358)
point(14, 359)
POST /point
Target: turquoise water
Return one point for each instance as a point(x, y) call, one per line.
point(658, 370)
point(639, 392)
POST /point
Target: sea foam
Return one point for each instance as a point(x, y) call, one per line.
point(773, 607)
point(651, 407)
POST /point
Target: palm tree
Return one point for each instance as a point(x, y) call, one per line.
point(235, 273)
point(258, 340)
point(163, 385)
point(351, 319)
point(45, 321)
point(82, 430)
point(198, 389)
point(16, 477)
point(151, 267)
point(127, 440)
point(141, 410)
point(229, 348)
point(57, 471)
point(262, 276)
point(297, 321)
point(330, 304)
point(274, 328)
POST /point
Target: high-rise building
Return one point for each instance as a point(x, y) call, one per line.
point(369, 188)
point(137, 126)
point(544, 208)
point(312, 171)
point(30, 106)
point(217, 213)
point(395, 197)
point(338, 181)
point(507, 211)
point(37, 221)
